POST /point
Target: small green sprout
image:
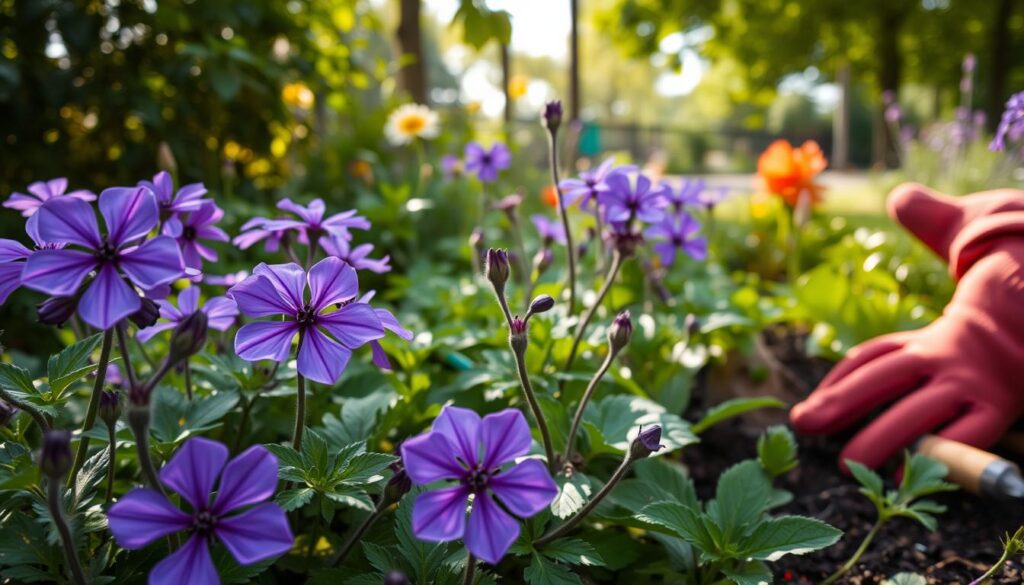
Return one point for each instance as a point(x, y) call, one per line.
point(1012, 545)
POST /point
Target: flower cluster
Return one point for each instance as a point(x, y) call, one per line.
point(1011, 125)
point(789, 172)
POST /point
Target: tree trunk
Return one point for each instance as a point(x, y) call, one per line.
point(506, 80)
point(409, 35)
point(889, 75)
point(1000, 57)
point(841, 120)
point(574, 61)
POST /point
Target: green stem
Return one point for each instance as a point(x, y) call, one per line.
point(856, 555)
point(188, 379)
point(57, 513)
point(111, 463)
point(145, 354)
point(122, 345)
point(531, 399)
point(243, 424)
point(578, 517)
point(300, 411)
point(991, 572)
point(94, 404)
point(355, 537)
point(569, 248)
point(581, 328)
point(32, 411)
point(467, 579)
point(570, 439)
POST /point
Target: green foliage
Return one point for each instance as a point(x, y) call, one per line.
point(776, 450)
point(905, 579)
point(922, 476)
point(733, 408)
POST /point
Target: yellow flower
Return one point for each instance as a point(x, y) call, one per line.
point(410, 122)
point(517, 86)
point(297, 95)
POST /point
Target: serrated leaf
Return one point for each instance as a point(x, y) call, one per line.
point(573, 551)
point(573, 493)
point(923, 476)
point(71, 364)
point(91, 474)
point(14, 377)
point(351, 496)
point(742, 495)
point(544, 572)
point(379, 557)
point(776, 450)
point(796, 535)
point(871, 481)
point(752, 573)
point(670, 478)
point(231, 571)
point(620, 417)
point(423, 557)
point(364, 468)
point(357, 419)
point(733, 408)
point(176, 418)
point(294, 498)
point(684, 522)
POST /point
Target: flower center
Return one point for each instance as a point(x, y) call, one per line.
point(306, 316)
point(476, 479)
point(189, 233)
point(106, 251)
point(486, 160)
point(412, 124)
point(203, 522)
point(677, 241)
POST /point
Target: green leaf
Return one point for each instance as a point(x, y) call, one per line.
point(871, 481)
point(742, 495)
point(923, 476)
point(574, 552)
point(776, 450)
point(752, 573)
point(905, 579)
point(573, 493)
point(364, 468)
point(796, 535)
point(294, 498)
point(620, 417)
point(357, 419)
point(231, 571)
point(380, 557)
point(733, 408)
point(544, 572)
point(71, 364)
point(423, 557)
point(16, 378)
point(669, 478)
point(685, 522)
point(175, 418)
point(351, 496)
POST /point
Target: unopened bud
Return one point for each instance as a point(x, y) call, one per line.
point(56, 310)
point(497, 268)
point(55, 456)
point(646, 442)
point(620, 332)
point(691, 324)
point(517, 335)
point(541, 304)
point(543, 260)
point(396, 577)
point(397, 486)
point(7, 412)
point(189, 337)
point(551, 118)
point(110, 407)
point(147, 314)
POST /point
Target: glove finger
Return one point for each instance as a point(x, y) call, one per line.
point(982, 425)
point(833, 408)
point(902, 424)
point(864, 353)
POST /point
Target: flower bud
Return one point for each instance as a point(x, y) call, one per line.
point(692, 324)
point(646, 442)
point(551, 118)
point(55, 457)
point(7, 412)
point(397, 486)
point(396, 577)
point(543, 260)
point(517, 336)
point(165, 158)
point(147, 314)
point(56, 310)
point(110, 407)
point(497, 268)
point(620, 331)
point(541, 304)
point(189, 337)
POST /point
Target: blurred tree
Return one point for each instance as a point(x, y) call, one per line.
point(413, 71)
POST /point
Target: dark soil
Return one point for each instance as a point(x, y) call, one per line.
point(966, 543)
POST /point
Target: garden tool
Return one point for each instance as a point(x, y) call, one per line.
point(959, 376)
point(974, 470)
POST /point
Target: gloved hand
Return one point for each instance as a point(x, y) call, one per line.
point(961, 377)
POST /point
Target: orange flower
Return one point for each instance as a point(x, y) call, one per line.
point(549, 196)
point(789, 172)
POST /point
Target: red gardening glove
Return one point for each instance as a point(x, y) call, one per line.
point(961, 377)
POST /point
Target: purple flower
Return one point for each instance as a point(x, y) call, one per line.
point(709, 198)
point(550, 231)
point(486, 163)
point(390, 323)
point(227, 280)
point(677, 233)
point(253, 232)
point(451, 166)
point(624, 202)
point(116, 259)
point(186, 200)
point(259, 532)
point(592, 183)
point(42, 191)
point(220, 313)
point(326, 338)
point(689, 193)
point(197, 225)
point(13, 255)
point(310, 222)
point(1011, 125)
point(474, 453)
point(358, 257)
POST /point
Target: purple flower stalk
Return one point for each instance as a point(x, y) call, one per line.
point(475, 454)
point(677, 233)
point(591, 184)
point(487, 162)
point(42, 191)
point(220, 313)
point(327, 338)
point(259, 532)
point(624, 202)
point(197, 225)
point(550, 231)
point(1011, 125)
point(358, 257)
point(117, 259)
point(185, 200)
point(310, 222)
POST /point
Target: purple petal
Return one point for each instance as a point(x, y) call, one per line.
point(667, 252)
point(505, 436)
point(162, 187)
point(188, 300)
point(11, 250)
point(259, 533)
point(380, 357)
point(189, 564)
point(173, 227)
point(249, 478)
point(10, 279)
point(391, 324)
point(429, 458)
point(526, 488)
point(220, 313)
point(247, 239)
point(697, 248)
point(57, 272)
point(440, 515)
point(256, 296)
point(352, 325)
point(331, 281)
point(193, 470)
point(321, 359)
point(311, 214)
point(491, 530)
point(289, 280)
point(157, 261)
point(147, 333)
point(142, 516)
point(265, 340)
point(461, 426)
point(130, 213)
point(26, 204)
point(108, 299)
point(69, 220)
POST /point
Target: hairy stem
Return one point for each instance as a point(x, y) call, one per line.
point(111, 432)
point(569, 248)
point(531, 399)
point(122, 345)
point(570, 439)
point(467, 579)
point(188, 379)
point(578, 517)
point(94, 404)
point(57, 513)
point(856, 555)
point(581, 328)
